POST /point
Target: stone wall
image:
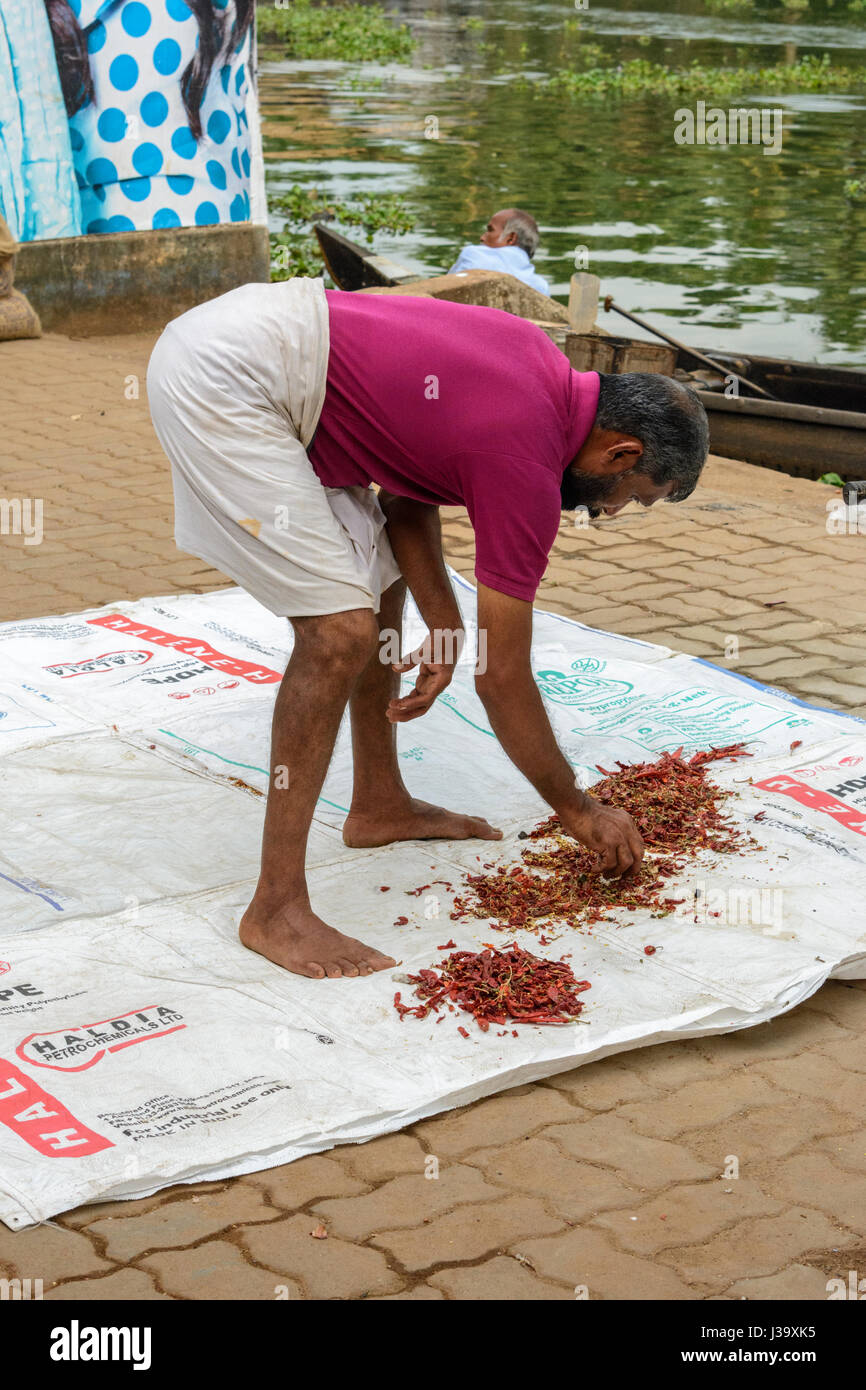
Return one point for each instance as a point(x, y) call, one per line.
point(127, 281)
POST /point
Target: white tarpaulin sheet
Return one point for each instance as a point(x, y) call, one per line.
point(141, 1045)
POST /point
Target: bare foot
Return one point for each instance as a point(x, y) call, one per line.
point(299, 941)
point(413, 820)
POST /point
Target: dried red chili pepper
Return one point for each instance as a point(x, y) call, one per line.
point(677, 811)
point(649, 950)
point(497, 987)
point(400, 921)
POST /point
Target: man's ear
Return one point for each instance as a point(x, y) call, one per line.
point(621, 456)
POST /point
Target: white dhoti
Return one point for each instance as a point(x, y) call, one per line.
point(235, 388)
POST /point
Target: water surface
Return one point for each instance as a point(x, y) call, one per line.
point(724, 247)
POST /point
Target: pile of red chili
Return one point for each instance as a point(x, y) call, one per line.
point(678, 813)
point(508, 986)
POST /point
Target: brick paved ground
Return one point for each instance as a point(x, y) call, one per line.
point(608, 1176)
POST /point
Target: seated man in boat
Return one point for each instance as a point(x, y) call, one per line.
point(279, 405)
point(508, 243)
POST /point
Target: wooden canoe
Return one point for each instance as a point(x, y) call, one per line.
point(816, 424)
point(352, 266)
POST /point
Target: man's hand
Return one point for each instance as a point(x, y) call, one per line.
point(519, 720)
point(610, 832)
point(437, 657)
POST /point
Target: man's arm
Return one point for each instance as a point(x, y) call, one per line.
point(517, 716)
point(415, 533)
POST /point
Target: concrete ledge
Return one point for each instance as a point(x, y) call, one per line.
point(126, 281)
point(491, 288)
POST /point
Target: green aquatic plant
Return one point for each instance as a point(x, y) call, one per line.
point(778, 9)
point(640, 77)
point(295, 251)
point(730, 6)
point(347, 32)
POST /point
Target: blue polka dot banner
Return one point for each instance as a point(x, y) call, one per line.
point(156, 101)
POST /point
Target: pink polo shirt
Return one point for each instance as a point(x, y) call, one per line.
point(456, 405)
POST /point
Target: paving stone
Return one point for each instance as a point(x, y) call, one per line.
point(96, 1211)
point(645, 1163)
point(509, 1116)
point(672, 1064)
point(573, 1189)
point(790, 1032)
point(796, 1283)
point(815, 1180)
point(502, 1278)
point(587, 1258)
point(601, 1085)
point(330, 1268)
point(468, 1232)
point(797, 666)
point(843, 1002)
point(815, 1075)
point(405, 1201)
point(306, 1180)
point(700, 1103)
point(824, 691)
point(380, 1159)
point(422, 1293)
point(126, 1286)
point(756, 1247)
point(687, 1213)
point(48, 1253)
point(771, 1131)
point(181, 1222)
point(217, 1270)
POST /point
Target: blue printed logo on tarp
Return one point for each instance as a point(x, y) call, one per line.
point(583, 685)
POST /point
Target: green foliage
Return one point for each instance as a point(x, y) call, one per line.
point(832, 480)
point(293, 255)
point(778, 9)
point(854, 188)
point(730, 6)
point(294, 251)
point(374, 212)
point(349, 32)
point(639, 77)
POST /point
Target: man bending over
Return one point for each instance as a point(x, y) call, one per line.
point(278, 406)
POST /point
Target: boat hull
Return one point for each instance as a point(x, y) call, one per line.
point(805, 441)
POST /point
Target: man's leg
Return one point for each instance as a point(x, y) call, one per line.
point(382, 809)
point(328, 657)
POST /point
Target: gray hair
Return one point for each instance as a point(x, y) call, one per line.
point(525, 229)
point(668, 419)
